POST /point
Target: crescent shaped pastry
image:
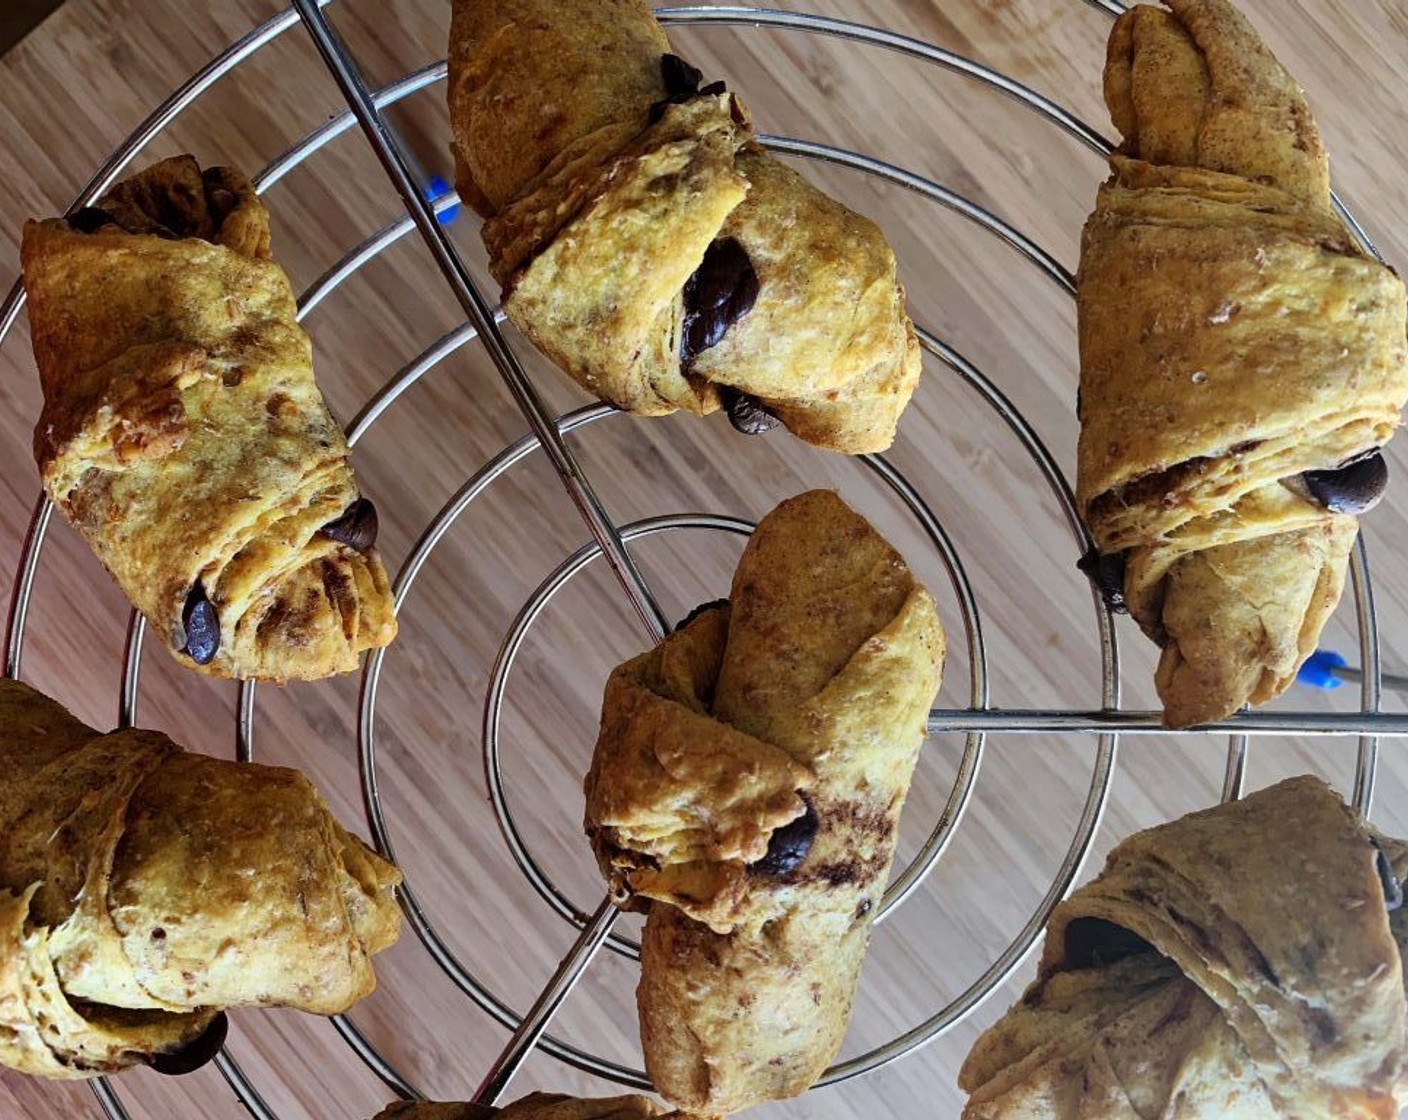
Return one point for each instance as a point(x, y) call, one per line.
point(184, 436)
point(143, 889)
point(1238, 964)
point(648, 246)
point(1242, 361)
point(748, 781)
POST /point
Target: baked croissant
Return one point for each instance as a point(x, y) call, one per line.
point(748, 779)
point(1242, 361)
point(535, 1106)
point(142, 889)
point(183, 434)
point(650, 248)
point(1237, 964)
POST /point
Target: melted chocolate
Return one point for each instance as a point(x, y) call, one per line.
point(789, 844)
point(720, 293)
point(1107, 574)
point(202, 626)
point(681, 79)
point(356, 528)
point(1353, 487)
point(90, 219)
point(746, 413)
point(1155, 488)
point(1092, 942)
point(195, 1053)
point(681, 85)
point(702, 608)
point(1393, 889)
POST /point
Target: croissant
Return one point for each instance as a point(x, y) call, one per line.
point(748, 779)
point(183, 435)
point(649, 247)
point(1238, 964)
point(1242, 361)
point(142, 889)
point(535, 1106)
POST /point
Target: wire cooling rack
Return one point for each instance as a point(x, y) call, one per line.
point(610, 541)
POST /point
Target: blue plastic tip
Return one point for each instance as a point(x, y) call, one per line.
point(1319, 667)
point(434, 191)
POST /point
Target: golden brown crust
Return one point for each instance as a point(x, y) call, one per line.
point(1232, 336)
point(679, 803)
point(658, 202)
point(527, 84)
point(815, 685)
point(1269, 982)
point(143, 888)
point(605, 199)
point(183, 433)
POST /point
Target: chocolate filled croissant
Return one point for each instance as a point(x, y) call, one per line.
point(183, 435)
point(1242, 361)
point(748, 780)
point(1238, 964)
point(535, 1106)
point(142, 889)
point(650, 248)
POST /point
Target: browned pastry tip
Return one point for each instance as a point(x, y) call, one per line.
point(1196, 86)
point(531, 82)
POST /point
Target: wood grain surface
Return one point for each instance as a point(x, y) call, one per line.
point(73, 91)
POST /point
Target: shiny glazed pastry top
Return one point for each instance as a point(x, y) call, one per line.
point(184, 436)
point(647, 244)
point(1242, 361)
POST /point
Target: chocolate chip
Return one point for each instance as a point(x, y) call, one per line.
point(681, 85)
point(1093, 942)
point(1353, 487)
point(702, 608)
point(202, 626)
point(195, 1053)
point(722, 290)
point(746, 413)
point(679, 76)
point(1107, 573)
point(789, 844)
point(1393, 889)
point(90, 219)
point(356, 528)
